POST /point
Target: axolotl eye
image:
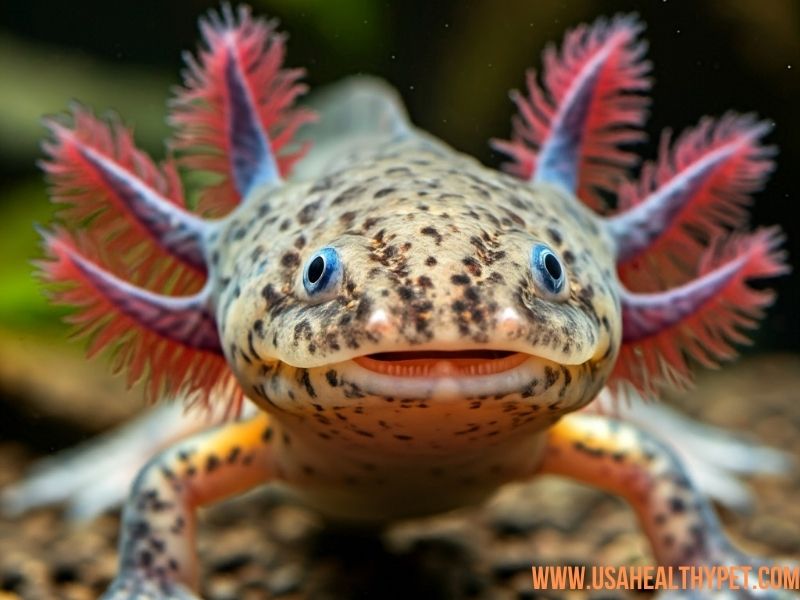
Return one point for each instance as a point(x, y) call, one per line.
point(322, 274)
point(549, 274)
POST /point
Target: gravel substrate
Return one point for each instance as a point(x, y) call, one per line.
point(261, 547)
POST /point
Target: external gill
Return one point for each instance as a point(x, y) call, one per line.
point(684, 205)
point(135, 258)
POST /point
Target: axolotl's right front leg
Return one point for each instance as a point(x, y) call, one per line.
point(157, 543)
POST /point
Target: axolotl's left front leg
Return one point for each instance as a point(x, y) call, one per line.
point(678, 520)
point(157, 544)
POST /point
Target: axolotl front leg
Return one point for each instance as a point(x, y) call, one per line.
point(619, 458)
point(157, 544)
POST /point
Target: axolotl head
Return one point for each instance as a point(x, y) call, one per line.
point(417, 287)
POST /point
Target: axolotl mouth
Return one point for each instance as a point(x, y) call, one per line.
point(454, 373)
point(439, 363)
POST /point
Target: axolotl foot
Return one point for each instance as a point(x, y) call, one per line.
point(157, 553)
point(676, 517)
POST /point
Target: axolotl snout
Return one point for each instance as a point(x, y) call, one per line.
point(368, 308)
point(417, 328)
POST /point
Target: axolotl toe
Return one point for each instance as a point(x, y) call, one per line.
point(417, 329)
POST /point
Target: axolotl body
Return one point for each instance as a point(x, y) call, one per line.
point(417, 329)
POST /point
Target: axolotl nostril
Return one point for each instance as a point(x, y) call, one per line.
point(417, 329)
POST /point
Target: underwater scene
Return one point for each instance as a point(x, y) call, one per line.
point(376, 299)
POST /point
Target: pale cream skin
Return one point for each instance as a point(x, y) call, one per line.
point(425, 437)
point(435, 367)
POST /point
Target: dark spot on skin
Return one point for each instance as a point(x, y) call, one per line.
point(660, 519)
point(178, 525)
point(305, 380)
point(568, 257)
point(212, 462)
point(139, 529)
point(473, 266)
point(433, 232)
point(383, 192)
point(348, 217)
point(431, 261)
point(330, 376)
point(347, 195)
point(677, 505)
point(496, 277)
point(697, 532)
point(302, 330)
point(272, 297)
point(290, 259)
point(234, 453)
point(555, 236)
point(403, 437)
point(256, 253)
point(551, 376)
point(473, 427)
point(460, 279)
point(308, 212)
point(267, 435)
point(596, 452)
point(145, 558)
point(251, 347)
point(405, 293)
point(369, 223)
point(258, 327)
point(424, 282)
point(185, 455)
point(322, 419)
point(322, 185)
point(681, 481)
point(516, 202)
point(364, 308)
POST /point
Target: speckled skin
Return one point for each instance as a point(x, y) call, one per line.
point(435, 251)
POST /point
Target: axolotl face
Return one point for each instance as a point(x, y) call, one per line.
point(414, 296)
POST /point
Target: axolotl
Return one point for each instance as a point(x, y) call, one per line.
point(416, 329)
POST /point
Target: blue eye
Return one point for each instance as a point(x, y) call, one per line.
point(549, 273)
point(322, 273)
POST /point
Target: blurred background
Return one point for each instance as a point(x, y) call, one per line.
point(453, 62)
